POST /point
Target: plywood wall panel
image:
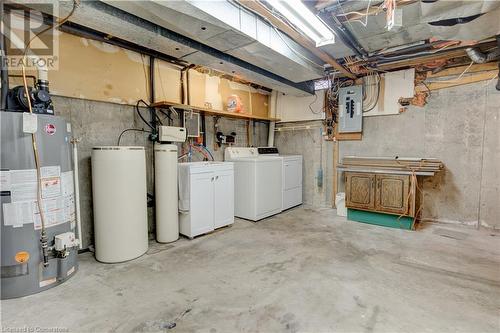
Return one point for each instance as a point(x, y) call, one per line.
point(99, 71)
point(196, 88)
point(213, 91)
point(168, 83)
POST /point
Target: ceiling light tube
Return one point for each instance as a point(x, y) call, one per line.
point(299, 15)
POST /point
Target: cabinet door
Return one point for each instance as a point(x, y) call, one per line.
point(224, 198)
point(202, 203)
point(360, 190)
point(392, 194)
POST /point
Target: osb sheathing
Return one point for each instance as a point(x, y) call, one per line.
point(93, 70)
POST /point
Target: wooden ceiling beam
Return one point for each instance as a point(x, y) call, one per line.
point(258, 8)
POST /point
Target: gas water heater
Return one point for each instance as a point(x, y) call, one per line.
point(24, 270)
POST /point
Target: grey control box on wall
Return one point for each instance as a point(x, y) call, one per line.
point(351, 109)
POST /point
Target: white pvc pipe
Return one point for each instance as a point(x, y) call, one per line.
point(77, 190)
point(43, 72)
point(272, 114)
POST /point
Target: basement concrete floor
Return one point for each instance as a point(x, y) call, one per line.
point(302, 271)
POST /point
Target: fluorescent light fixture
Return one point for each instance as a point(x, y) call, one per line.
point(299, 15)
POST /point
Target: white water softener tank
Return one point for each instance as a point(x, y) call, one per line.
point(167, 215)
point(120, 203)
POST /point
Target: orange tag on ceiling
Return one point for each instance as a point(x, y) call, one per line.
point(22, 257)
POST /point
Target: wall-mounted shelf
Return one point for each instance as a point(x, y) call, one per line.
point(166, 104)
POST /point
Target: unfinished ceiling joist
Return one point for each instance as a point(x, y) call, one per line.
point(406, 63)
point(484, 76)
point(491, 66)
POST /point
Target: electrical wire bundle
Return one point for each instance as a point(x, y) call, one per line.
point(331, 103)
point(167, 114)
point(371, 91)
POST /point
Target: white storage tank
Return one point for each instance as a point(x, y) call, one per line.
point(166, 194)
point(120, 203)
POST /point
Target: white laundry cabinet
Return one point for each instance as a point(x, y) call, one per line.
point(206, 197)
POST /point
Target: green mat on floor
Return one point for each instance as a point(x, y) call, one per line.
point(385, 220)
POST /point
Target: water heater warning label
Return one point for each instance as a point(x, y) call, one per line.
point(5, 180)
point(57, 191)
point(51, 187)
point(17, 214)
point(30, 122)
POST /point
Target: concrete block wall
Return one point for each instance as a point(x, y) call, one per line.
point(100, 124)
point(310, 145)
point(96, 124)
point(461, 127)
point(257, 130)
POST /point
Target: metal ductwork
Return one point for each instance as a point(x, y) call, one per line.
point(227, 27)
point(188, 46)
point(479, 57)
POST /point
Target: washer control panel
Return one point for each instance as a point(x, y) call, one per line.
point(268, 151)
point(240, 152)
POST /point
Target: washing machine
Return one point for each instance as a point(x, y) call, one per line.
point(258, 183)
point(292, 176)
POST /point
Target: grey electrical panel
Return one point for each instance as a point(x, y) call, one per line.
point(351, 109)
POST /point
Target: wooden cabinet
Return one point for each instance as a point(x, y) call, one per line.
point(384, 193)
point(360, 190)
point(392, 194)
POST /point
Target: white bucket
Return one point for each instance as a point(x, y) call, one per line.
point(340, 204)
